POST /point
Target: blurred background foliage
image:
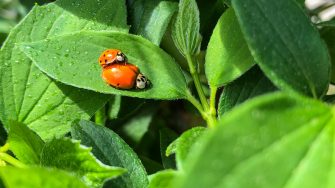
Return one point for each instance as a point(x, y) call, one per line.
point(12, 11)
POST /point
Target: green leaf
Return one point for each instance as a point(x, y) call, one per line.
point(24, 143)
point(286, 46)
point(167, 80)
point(185, 31)
point(5, 26)
point(114, 106)
point(182, 145)
point(29, 96)
point(166, 137)
point(228, 55)
point(273, 141)
point(38, 177)
point(251, 84)
point(125, 107)
point(138, 124)
point(150, 18)
point(112, 150)
point(328, 34)
point(70, 156)
point(162, 179)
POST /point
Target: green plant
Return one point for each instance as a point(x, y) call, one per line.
point(270, 126)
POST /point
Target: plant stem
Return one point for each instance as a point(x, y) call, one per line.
point(11, 160)
point(4, 148)
point(196, 104)
point(207, 112)
point(197, 83)
point(100, 116)
point(212, 101)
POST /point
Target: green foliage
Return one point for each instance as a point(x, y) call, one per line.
point(24, 143)
point(228, 55)
point(112, 150)
point(162, 179)
point(138, 124)
point(251, 84)
point(252, 136)
point(277, 131)
point(182, 145)
point(151, 18)
point(69, 155)
point(166, 137)
point(287, 48)
point(165, 75)
point(63, 153)
point(185, 32)
point(123, 107)
point(29, 96)
point(38, 177)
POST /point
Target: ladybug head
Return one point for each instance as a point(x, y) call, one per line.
point(142, 81)
point(120, 57)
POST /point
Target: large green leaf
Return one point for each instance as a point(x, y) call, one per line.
point(276, 141)
point(228, 55)
point(150, 18)
point(38, 177)
point(24, 143)
point(62, 59)
point(285, 44)
point(29, 96)
point(251, 84)
point(69, 155)
point(112, 150)
point(185, 31)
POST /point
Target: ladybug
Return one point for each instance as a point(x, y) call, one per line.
point(124, 76)
point(111, 56)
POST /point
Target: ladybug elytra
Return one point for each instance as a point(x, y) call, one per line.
point(111, 56)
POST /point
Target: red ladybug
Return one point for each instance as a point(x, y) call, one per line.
point(124, 76)
point(120, 74)
point(111, 56)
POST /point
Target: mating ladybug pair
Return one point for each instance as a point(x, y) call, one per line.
point(120, 74)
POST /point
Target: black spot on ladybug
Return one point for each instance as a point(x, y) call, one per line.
point(105, 60)
point(118, 84)
point(100, 61)
point(104, 55)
